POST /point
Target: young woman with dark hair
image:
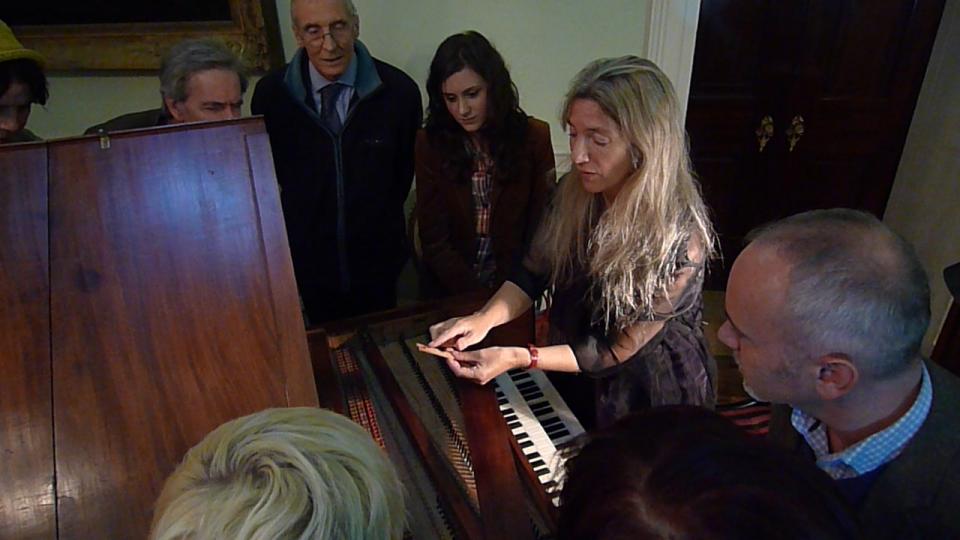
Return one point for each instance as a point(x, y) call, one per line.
point(483, 170)
point(22, 83)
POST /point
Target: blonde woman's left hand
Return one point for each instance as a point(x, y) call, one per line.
point(482, 366)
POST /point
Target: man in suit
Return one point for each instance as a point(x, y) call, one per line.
point(826, 311)
point(342, 125)
point(201, 80)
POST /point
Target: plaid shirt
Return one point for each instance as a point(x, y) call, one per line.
point(484, 265)
point(876, 450)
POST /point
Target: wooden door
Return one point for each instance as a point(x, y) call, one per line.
point(849, 70)
point(27, 509)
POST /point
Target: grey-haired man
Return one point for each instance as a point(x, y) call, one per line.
point(201, 80)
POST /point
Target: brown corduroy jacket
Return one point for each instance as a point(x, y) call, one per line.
point(445, 213)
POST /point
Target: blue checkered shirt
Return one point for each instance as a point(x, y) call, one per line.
point(876, 450)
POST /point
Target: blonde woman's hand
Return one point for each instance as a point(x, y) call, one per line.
point(481, 366)
point(459, 332)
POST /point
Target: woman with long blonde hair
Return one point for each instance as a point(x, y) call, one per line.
point(624, 245)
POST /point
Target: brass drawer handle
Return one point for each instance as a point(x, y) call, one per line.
point(764, 131)
point(795, 131)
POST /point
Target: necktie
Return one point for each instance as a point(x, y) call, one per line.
point(328, 106)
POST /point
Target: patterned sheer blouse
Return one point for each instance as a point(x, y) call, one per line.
point(633, 368)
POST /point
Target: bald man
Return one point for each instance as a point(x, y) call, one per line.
point(826, 311)
point(342, 126)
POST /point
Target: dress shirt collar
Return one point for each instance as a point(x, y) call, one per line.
point(318, 81)
point(874, 451)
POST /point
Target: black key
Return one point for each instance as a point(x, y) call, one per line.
point(526, 444)
point(514, 425)
point(541, 408)
point(551, 421)
point(533, 395)
point(553, 430)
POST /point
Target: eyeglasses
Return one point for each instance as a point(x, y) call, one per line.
point(340, 31)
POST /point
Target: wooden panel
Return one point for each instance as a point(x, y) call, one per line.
point(27, 507)
point(850, 69)
point(498, 487)
point(169, 311)
point(504, 478)
point(300, 387)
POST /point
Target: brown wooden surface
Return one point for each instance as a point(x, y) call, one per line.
point(329, 395)
point(282, 293)
point(851, 69)
point(494, 458)
point(170, 311)
point(500, 488)
point(27, 509)
point(463, 519)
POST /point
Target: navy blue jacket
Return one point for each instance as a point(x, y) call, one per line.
point(343, 195)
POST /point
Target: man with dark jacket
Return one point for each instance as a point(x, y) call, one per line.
point(826, 311)
point(342, 127)
point(201, 80)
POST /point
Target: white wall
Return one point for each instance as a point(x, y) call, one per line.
point(924, 204)
point(78, 102)
point(544, 43)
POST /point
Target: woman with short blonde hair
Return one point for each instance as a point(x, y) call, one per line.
point(624, 244)
point(282, 473)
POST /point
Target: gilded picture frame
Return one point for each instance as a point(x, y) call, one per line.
point(252, 33)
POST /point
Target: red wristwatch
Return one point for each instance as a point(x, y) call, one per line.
point(534, 355)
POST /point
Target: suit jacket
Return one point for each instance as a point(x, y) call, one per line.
point(24, 135)
point(136, 120)
point(917, 495)
point(343, 194)
point(445, 212)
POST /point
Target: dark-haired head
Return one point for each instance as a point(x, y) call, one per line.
point(22, 83)
point(684, 473)
point(505, 124)
point(470, 50)
point(28, 73)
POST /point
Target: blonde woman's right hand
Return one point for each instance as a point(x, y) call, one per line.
point(459, 332)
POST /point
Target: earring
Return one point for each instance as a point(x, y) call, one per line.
point(636, 162)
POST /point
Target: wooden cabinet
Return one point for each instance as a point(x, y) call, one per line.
point(830, 84)
point(148, 296)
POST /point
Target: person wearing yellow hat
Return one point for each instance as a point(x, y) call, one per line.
point(22, 83)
